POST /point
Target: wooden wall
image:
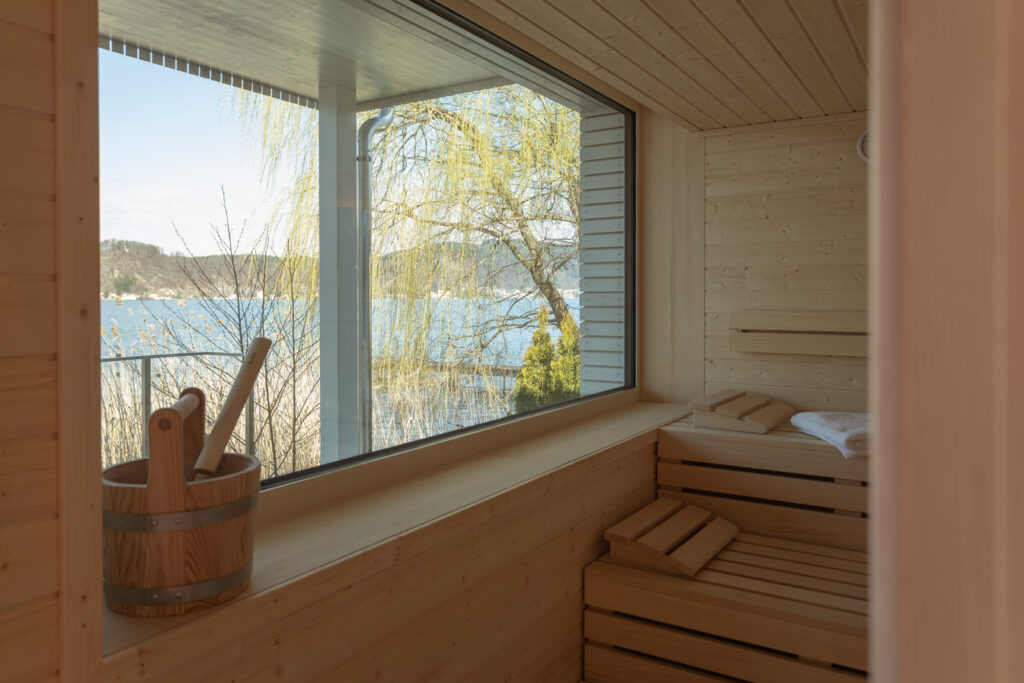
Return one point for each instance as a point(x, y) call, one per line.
point(28, 345)
point(49, 459)
point(490, 593)
point(785, 230)
point(670, 260)
point(947, 248)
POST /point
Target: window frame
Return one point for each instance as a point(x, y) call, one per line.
point(80, 602)
point(629, 263)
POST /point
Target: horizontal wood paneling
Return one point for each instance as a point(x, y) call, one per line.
point(34, 15)
point(27, 142)
point(26, 234)
point(28, 482)
point(28, 398)
point(28, 643)
point(26, 79)
point(28, 563)
point(786, 230)
point(494, 588)
point(806, 526)
point(27, 307)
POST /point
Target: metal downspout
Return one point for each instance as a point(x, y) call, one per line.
point(364, 199)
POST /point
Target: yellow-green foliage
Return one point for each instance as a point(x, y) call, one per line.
point(549, 376)
point(471, 192)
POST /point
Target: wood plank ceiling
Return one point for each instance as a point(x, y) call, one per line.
point(711, 64)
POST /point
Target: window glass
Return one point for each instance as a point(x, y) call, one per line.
point(434, 231)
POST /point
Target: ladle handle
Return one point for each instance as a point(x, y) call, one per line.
point(217, 441)
point(166, 481)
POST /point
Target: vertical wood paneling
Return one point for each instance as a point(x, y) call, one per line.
point(29, 581)
point(786, 229)
point(670, 247)
point(947, 310)
point(76, 84)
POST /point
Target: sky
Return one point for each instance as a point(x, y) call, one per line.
point(169, 142)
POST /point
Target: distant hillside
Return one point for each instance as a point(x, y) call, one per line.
point(139, 270)
point(136, 269)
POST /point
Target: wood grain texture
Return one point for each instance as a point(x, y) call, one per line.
point(28, 563)
point(34, 15)
point(27, 141)
point(770, 621)
point(28, 398)
point(707, 64)
point(699, 650)
point(26, 81)
point(176, 558)
point(26, 234)
point(28, 482)
point(28, 309)
point(756, 485)
point(670, 267)
point(462, 571)
point(808, 526)
point(695, 553)
point(28, 643)
point(786, 240)
point(949, 342)
point(76, 184)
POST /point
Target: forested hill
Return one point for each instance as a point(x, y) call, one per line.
point(144, 270)
point(136, 269)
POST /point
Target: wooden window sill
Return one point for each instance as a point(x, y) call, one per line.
point(298, 544)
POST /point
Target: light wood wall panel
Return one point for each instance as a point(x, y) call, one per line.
point(29, 549)
point(670, 260)
point(947, 248)
point(492, 592)
point(785, 230)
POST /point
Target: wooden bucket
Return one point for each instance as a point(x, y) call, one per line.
point(170, 545)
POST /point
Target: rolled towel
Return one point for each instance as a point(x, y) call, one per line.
point(846, 431)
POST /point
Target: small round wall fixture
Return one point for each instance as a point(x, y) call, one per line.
point(863, 150)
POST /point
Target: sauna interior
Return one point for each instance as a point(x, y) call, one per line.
point(811, 205)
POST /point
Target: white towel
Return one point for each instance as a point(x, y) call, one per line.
point(846, 431)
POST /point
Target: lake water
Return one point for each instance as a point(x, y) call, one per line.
point(134, 327)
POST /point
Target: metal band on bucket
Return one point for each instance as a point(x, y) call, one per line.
point(179, 521)
point(171, 595)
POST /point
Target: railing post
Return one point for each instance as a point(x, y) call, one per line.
point(250, 426)
point(147, 402)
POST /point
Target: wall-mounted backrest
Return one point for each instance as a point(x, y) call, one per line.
point(810, 333)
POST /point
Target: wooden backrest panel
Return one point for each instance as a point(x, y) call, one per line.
point(781, 484)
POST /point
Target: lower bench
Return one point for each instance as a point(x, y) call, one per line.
point(764, 610)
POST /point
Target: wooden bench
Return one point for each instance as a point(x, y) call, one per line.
point(785, 602)
point(783, 484)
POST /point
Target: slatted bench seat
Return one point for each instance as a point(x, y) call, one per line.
point(764, 611)
point(784, 484)
point(785, 602)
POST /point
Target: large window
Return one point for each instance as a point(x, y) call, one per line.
point(434, 230)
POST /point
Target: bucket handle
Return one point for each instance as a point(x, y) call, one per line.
point(166, 483)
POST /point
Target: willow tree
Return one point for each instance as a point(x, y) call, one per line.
point(475, 227)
